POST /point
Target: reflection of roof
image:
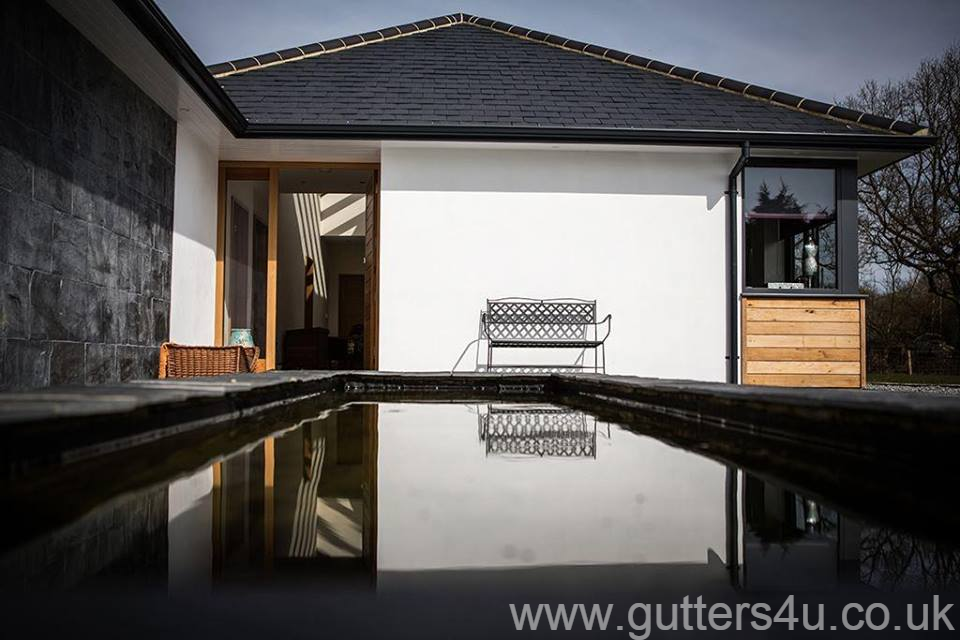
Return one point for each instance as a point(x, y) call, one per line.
point(463, 70)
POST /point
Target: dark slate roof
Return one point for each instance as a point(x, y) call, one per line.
point(460, 70)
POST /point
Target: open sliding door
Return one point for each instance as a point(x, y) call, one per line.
point(247, 258)
point(260, 201)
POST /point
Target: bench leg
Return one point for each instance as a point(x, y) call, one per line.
point(489, 356)
point(603, 351)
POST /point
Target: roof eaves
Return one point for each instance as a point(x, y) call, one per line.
point(292, 54)
point(599, 135)
point(153, 24)
point(729, 85)
point(797, 103)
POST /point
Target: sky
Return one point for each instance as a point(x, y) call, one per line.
point(821, 49)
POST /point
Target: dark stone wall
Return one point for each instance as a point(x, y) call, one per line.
point(124, 539)
point(86, 209)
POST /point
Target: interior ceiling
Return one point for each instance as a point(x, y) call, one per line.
point(324, 180)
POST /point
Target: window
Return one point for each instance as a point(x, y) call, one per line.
point(791, 228)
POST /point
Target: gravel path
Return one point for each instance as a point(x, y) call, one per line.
point(947, 389)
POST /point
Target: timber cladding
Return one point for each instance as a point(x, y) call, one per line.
point(803, 342)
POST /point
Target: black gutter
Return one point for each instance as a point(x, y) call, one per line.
point(835, 141)
point(732, 255)
point(153, 24)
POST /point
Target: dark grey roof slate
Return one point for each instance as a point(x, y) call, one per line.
point(470, 75)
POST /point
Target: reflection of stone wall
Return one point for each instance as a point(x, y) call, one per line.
point(127, 538)
point(86, 209)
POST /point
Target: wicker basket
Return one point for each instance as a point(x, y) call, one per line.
point(189, 361)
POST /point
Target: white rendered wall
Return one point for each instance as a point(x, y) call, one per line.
point(640, 231)
point(193, 270)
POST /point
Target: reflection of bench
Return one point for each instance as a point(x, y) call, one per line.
point(538, 431)
point(560, 323)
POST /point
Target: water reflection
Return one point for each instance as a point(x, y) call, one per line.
point(792, 542)
point(298, 499)
point(387, 495)
point(537, 430)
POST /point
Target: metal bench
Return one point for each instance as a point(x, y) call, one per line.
point(559, 323)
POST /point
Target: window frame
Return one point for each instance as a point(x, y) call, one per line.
point(845, 193)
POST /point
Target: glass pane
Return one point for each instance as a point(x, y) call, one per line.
point(321, 222)
point(245, 266)
point(791, 228)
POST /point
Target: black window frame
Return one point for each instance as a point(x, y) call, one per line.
point(845, 188)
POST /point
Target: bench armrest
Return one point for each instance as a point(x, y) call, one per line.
point(607, 320)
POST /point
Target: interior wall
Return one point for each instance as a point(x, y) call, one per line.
point(194, 259)
point(342, 214)
point(304, 220)
point(340, 257)
point(298, 238)
point(252, 195)
point(640, 231)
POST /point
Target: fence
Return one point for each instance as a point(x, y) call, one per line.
point(913, 361)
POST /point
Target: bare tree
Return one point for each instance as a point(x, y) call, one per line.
point(910, 211)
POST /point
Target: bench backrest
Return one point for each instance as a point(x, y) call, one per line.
point(542, 431)
point(526, 319)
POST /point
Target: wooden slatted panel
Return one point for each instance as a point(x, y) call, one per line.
point(800, 303)
point(371, 276)
point(787, 328)
point(804, 315)
point(840, 342)
point(803, 342)
point(817, 354)
point(804, 380)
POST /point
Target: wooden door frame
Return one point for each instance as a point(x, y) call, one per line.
point(255, 170)
point(371, 274)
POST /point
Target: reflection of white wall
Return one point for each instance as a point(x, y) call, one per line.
point(443, 504)
point(190, 531)
point(194, 261)
point(642, 232)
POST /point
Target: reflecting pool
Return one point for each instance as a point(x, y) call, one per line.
point(429, 501)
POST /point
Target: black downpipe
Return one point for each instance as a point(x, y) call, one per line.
point(733, 333)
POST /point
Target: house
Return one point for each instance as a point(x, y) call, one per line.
point(383, 185)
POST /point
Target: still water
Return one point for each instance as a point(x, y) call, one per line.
point(397, 498)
